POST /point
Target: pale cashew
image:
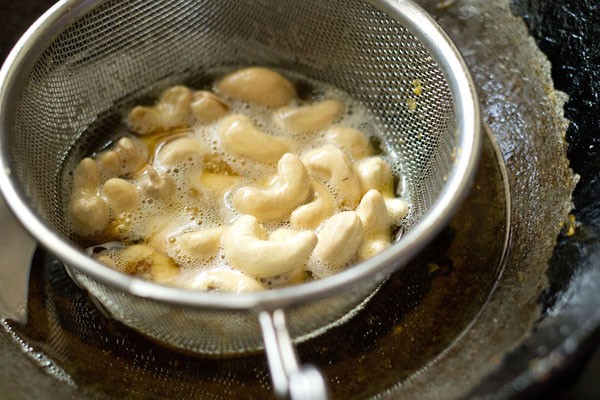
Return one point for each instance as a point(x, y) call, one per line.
point(397, 208)
point(288, 191)
point(351, 140)
point(331, 164)
point(125, 157)
point(143, 260)
point(86, 177)
point(376, 221)
point(226, 281)
point(159, 186)
point(310, 215)
point(258, 85)
point(180, 151)
point(207, 107)
point(202, 244)
point(339, 239)
point(171, 110)
point(88, 211)
point(375, 173)
point(309, 118)
point(121, 195)
point(239, 136)
point(247, 249)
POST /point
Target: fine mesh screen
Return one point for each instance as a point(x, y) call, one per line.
point(120, 51)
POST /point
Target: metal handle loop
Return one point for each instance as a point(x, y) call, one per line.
point(290, 380)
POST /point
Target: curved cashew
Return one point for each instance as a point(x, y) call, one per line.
point(88, 211)
point(351, 140)
point(331, 164)
point(247, 249)
point(121, 195)
point(181, 150)
point(375, 173)
point(86, 177)
point(171, 110)
point(310, 215)
point(376, 221)
point(339, 239)
point(89, 214)
point(207, 107)
point(226, 281)
point(143, 260)
point(200, 244)
point(309, 118)
point(125, 157)
point(239, 136)
point(289, 190)
point(258, 85)
point(159, 186)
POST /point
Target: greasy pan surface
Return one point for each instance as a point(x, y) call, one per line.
point(567, 313)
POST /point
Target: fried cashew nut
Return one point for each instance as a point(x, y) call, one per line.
point(239, 136)
point(200, 244)
point(179, 151)
point(258, 85)
point(88, 210)
point(309, 118)
point(225, 281)
point(376, 221)
point(247, 249)
point(159, 186)
point(171, 110)
point(207, 107)
point(339, 239)
point(310, 215)
point(121, 195)
point(332, 165)
point(277, 201)
point(351, 140)
point(143, 260)
point(125, 157)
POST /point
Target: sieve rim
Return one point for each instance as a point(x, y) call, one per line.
point(414, 18)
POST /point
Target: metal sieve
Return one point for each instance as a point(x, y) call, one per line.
point(65, 85)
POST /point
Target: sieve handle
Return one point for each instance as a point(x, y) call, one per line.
point(290, 380)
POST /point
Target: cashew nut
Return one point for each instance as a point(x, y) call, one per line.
point(375, 173)
point(376, 221)
point(88, 211)
point(331, 164)
point(309, 118)
point(181, 150)
point(143, 260)
point(247, 249)
point(125, 157)
point(239, 136)
point(86, 177)
point(351, 140)
point(207, 107)
point(339, 239)
point(121, 195)
point(258, 85)
point(310, 215)
point(200, 244)
point(159, 186)
point(288, 191)
point(171, 110)
point(226, 281)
